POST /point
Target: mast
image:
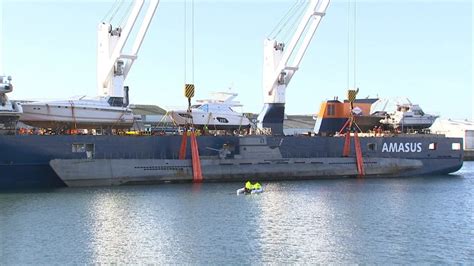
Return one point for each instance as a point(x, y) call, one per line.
point(278, 69)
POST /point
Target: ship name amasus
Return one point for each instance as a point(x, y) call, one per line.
point(402, 147)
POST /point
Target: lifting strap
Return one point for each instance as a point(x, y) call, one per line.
point(347, 145)
point(196, 161)
point(197, 174)
point(182, 150)
point(359, 159)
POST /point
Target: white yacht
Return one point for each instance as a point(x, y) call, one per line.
point(10, 111)
point(216, 113)
point(84, 113)
point(404, 115)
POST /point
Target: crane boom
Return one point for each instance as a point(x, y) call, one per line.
point(113, 65)
point(141, 34)
point(278, 70)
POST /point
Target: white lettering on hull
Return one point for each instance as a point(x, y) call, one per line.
point(402, 147)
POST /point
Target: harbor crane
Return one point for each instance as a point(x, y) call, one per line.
point(109, 110)
point(113, 65)
point(278, 69)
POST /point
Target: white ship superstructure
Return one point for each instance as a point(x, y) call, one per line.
point(10, 111)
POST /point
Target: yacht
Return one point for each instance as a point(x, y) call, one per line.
point(405, 116)
point(84, 113)
point(10, 111)
point(216, 113)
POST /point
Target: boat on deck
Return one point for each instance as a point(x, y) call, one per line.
point(84, 113)
point(216, 113)
point(405, 116)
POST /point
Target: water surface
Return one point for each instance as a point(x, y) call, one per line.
point(399, 220)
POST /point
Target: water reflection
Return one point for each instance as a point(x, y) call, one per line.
point(144, 225)
point(131, 227)
point(284, 228)
point(320, 221)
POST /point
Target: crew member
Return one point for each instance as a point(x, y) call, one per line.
point(257, 186)
point(248, 187)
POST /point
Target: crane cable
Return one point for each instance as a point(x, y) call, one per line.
point(298, 14)
point(112, 7)
point(353, 44)
point(186, 41)
point(119, 6)
point(128, 10)
point(192, 40)
point(189, 87)
point(284, 18)
point(355, 34)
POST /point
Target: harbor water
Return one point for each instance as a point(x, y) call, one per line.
point(370, 221)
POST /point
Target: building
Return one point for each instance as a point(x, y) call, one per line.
point(460, 129)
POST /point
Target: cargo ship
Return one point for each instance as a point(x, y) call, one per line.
point(25, 160)
point(89, 160)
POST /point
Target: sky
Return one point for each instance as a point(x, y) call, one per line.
point(422, 50)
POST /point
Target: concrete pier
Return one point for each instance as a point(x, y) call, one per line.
point(468, 155)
